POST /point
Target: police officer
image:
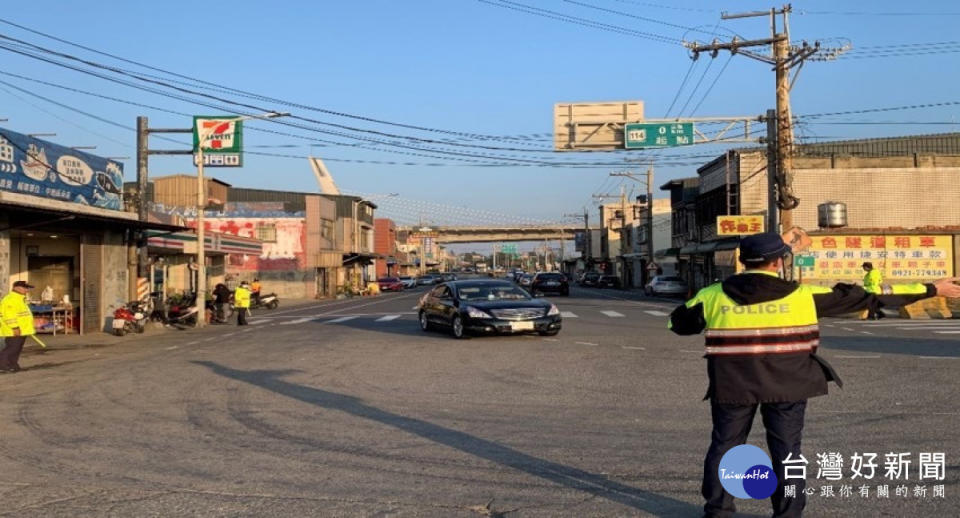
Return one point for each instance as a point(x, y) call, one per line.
point(241, 300)
point(16, 324)
point(872, 283)
point(761, 342)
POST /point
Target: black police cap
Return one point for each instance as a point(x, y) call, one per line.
point(762, 248)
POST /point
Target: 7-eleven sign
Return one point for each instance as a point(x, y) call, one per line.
point(222, 140)
point(222, 134)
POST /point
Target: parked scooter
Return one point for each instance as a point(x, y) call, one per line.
point(182, 311)
point(269, 301)
point(131, 318)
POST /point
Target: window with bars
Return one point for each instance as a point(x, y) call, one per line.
point(267, 232)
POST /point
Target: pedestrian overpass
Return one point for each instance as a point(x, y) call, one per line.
point(447, 234)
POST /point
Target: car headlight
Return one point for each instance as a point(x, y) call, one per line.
point(473, 312)
point(554, 310)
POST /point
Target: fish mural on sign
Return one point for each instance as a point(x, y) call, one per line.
point(40, 168)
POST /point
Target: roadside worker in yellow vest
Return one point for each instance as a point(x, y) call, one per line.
point(241, 300)
point(761, 342)
point(872, 280)
point(16, 324)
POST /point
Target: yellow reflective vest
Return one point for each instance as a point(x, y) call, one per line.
point(786, 325)
point(872, 281)
point(15, 314)
point(241, 298)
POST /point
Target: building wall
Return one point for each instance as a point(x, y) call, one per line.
point(903, 197)
point(384, 243)
point(181, 191)
point(114, 286)
point(282, 266)
point(5, 281)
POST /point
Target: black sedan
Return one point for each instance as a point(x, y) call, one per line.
point(487, 307)
point(550, 282)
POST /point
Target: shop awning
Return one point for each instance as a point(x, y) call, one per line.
point(27, 211)
point(667, 252)
point(361, 258)
point(706, 248)
point(688, 250)
point(215, 243)
point(727, 244)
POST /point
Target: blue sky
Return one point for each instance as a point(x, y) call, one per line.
point(465, 66)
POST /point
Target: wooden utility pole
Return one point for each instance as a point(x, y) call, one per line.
point(783, 57)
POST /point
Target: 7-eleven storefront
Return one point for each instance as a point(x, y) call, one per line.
point(173, 267)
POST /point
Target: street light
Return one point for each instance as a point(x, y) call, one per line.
point(203, 135)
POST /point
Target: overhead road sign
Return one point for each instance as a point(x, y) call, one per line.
point(593, 126)
point(656, 135)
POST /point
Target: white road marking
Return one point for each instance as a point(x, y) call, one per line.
point(633, 348)
point(866, 332)
point(847, 329)
point(195, 342)
point(587, 343)
point(931, 328)
point(938, 358)
point(297, 321)
point(612, 314)
point(657, 313)
point(172, 347)
point(568, 314)
point(338, 320)
point(388, 318)
point(258, 322)
point(550, 340)
point(850, 357)
point(947, 332)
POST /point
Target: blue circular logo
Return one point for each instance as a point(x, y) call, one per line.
point(746, 472)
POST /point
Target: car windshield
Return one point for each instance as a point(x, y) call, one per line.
point(491, 293)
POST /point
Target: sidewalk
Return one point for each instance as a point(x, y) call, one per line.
point(67, 342)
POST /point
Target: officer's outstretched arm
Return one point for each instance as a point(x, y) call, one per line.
point(688, 318)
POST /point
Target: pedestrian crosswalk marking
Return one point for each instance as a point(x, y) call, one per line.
point(568, 314)
point(612, 314)
point(657, 313)
point(297, 321)
point(388, 318)
point(341, 319)
point(947, 332)
point(258, 322)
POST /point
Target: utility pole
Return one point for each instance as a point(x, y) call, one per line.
point(783, 57)
point(649, 219)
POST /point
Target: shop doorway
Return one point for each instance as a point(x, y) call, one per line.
point(55, 272)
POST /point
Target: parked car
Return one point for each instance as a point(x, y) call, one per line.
point(445, 277)
point(408, 282)
point(390, 284)
point(426, 280)
point(666, 285)
point(487, 306)
point(525, 280)
point(517, 274)
point(608, 281)
point(551, 282)
point(590, 279)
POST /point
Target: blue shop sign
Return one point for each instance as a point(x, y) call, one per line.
point(32, 166)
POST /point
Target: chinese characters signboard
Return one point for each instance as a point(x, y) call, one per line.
point(648, 135)
point(222, 142)
point(898, 257)
point(40, 168)
point(739, 225)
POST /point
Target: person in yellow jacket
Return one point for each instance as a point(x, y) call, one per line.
point(762, 337)
point(872, 280)
point(16, 324)
point(241, 301)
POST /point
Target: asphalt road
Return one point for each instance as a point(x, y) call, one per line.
point(347, 409)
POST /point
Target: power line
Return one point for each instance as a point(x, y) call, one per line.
point(879, 110)
point(662, 6)
point(546, 13)
point(875, 13)
point(710, 88)
point(637, 17)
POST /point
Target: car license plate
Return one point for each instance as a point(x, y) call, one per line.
point(118, 323)
point(521, 326)
point(551, 283)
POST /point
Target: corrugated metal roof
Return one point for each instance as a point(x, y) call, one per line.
point(929, 144)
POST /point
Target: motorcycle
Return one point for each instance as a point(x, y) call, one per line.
point(269, 301)
point(182, 310)
point(131, 318)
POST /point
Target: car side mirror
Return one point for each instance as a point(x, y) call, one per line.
point(538, 295)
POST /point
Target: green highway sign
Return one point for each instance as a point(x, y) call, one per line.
point(804, 261)
point(509, 249)
point(643, 135)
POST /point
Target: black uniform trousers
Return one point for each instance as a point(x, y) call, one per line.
point(242, 316)
point(731, 426)
point(10, 355)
